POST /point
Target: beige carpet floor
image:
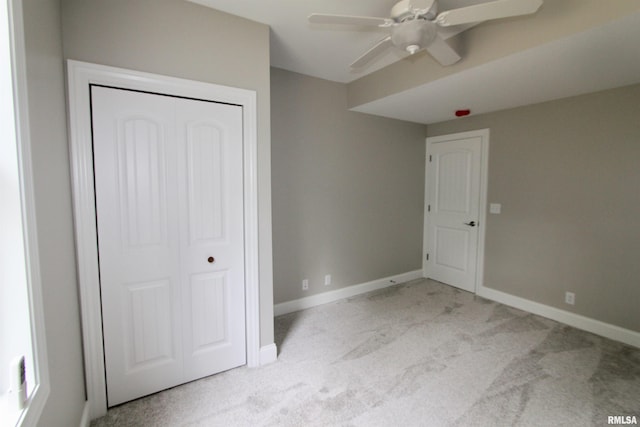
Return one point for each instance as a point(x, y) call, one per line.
point(417, 354)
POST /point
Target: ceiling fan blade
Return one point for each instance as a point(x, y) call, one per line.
point(442, 52)
point(448, 32)
point(369, 55)
point(487, 11)
point(323, 18)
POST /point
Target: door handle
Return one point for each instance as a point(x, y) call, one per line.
point(211, 259)
point(470, 224)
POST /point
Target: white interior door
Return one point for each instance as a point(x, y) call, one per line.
point(453, 210)
point(169, 203)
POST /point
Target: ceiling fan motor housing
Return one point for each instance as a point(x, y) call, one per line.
point(410, 9)
point(413, 35)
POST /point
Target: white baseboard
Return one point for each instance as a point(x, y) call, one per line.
point(268, 354)
point(338, 294)
point(85, 421)
point(597, 327)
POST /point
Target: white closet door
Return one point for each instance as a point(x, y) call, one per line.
point(211, 236)
point(168, 176)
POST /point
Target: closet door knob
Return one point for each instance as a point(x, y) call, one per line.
point(211, 259)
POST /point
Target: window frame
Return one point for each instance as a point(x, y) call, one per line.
point(40, 391)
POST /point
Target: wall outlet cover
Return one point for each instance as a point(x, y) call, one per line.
point(570, 298)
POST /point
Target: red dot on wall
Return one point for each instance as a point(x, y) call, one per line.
point(462, 113)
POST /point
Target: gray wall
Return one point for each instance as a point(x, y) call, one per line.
point(348, 189)
point(49, 149)
point(182, 39)
point(567, 174)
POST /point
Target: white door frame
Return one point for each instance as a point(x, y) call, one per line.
point(80, 76)
point(483, 134)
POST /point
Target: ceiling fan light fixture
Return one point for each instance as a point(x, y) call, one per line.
point(413, 35)
point(412, 48)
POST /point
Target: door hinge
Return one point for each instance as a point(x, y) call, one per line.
point(430, 158)
point(428, 208)
point(427, 257)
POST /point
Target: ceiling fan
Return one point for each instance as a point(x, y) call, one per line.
point(416, 24)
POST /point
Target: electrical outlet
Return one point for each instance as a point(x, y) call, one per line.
point(18, 383)
point(327, 280)
point(305, 285)
point(570, 298)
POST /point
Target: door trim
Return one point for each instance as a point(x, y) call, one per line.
point(80, 76)
point(483, 134)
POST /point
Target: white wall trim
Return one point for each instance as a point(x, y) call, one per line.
point(484, 135)
point(606, 330)
point(38, 399)
point(268, 354)
point(347, 292)
point(85, 420)
point(80, 76)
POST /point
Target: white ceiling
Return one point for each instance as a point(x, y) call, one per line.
point(323, 51)
point(598, 59)
point(601, 58)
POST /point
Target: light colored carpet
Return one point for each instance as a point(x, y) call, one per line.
point(417, 354)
